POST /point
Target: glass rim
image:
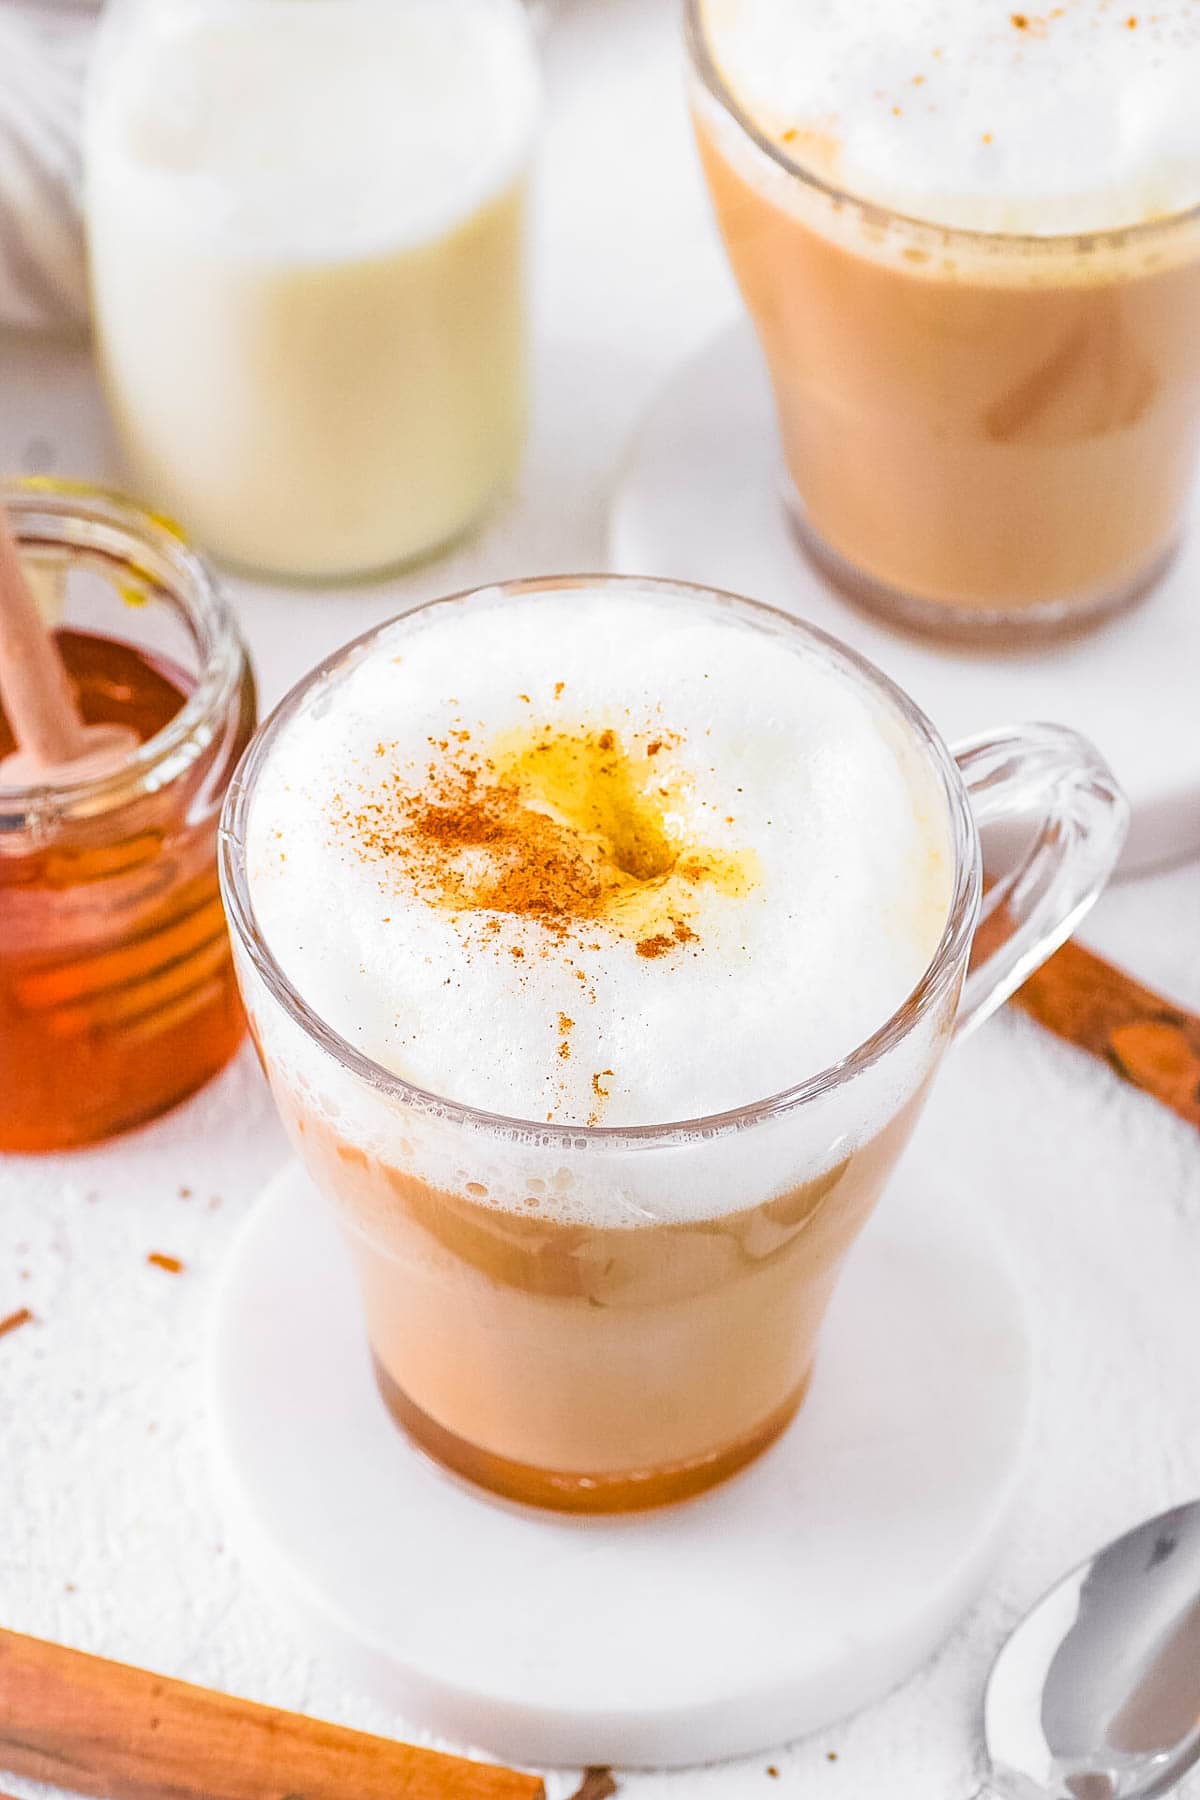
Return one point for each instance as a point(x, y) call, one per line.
point(42, 509)
point(951, 950)
point(1025, 243)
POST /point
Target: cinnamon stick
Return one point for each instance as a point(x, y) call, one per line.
point(1146, 1039)
point(102, 1728)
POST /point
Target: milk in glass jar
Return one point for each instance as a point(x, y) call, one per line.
point(305, 223)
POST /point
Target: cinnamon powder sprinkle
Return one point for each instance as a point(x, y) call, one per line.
point(171, 1264)
point(555, 828)
point(530, 868)
point(597, 1784)
point(15, 1320)
point(661, 943)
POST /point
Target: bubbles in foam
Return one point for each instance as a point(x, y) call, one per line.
point(759, 756)
point(1075, 118)
point(317, 128)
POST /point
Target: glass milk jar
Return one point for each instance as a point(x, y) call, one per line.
point(305, 223)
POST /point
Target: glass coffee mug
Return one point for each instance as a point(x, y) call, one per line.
point(985, 433)
point(608, 1366)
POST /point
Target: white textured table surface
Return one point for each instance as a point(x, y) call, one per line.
point(110, 1536)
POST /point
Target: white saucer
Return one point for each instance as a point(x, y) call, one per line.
point(699, 499)
point(801, 1590)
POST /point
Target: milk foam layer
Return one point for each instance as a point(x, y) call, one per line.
point(812, 837)
point(1078, 118)
point(301, 129)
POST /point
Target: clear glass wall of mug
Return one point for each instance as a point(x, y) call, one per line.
point(985, 434)
point(306, 237)
point(544, 1317)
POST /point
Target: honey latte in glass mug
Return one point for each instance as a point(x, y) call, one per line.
point(967, 238)
point(600, 938)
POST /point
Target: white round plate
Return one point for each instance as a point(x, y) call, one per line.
point(799, 1591)
point(699, 500)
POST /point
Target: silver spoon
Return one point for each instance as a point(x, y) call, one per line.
point(1096, 1695)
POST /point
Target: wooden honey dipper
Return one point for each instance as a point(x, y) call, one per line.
point(54, 743)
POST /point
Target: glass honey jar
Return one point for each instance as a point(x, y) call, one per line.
point(117, 993)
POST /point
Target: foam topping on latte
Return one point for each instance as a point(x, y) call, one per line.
point(605, 857)
point(1076, 117)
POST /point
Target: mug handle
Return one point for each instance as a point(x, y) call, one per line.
point(1054, 783)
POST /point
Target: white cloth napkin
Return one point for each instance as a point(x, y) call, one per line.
point(43, 55)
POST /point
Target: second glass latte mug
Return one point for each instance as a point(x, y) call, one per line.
point(597, 1318)
point(986, 432)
